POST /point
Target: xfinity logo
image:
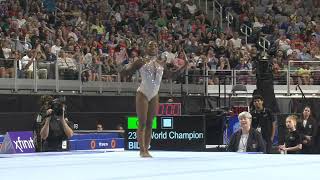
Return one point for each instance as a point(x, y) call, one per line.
point(101, 144)
point(23, 144)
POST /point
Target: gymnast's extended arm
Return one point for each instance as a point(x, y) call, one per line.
point(130, 69)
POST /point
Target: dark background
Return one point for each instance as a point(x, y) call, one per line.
point(19, 112)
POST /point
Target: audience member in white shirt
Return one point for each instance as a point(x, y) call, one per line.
point(27, 64)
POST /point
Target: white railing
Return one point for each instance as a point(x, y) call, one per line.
point(246, 30)
point(264, 43)
point(218, 10)
point(195, 81)
point(229, 19)
point(298, 74)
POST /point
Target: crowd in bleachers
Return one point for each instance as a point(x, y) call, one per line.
point(89, 37)
point(292, 27)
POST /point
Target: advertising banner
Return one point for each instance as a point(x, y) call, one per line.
point(18, 142)
point(170, 133)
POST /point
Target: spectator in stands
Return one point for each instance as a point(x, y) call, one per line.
point(313, 55)
point(109, 70)
point(2, 60)
point(56, 129)
point(293, 28)
point(223, 70)
point(42, 66)
point(234, 59)
point(235, 41)
point(304, 55)
point(293, 142)
point(277, 65)
point(191, 7)
point(55, 49)
point(62, 41)
point(212, 60)
point(98, 26)
point(304, 75)
point(67, 67)
point(179, 61)
point(168, 54)
point(307, 127)
point(197, 25)
point(99, 127)
point(121, 130)
point(27, 64)
point(192, 45)
point(221, 43)
point(263, 121)
point(246, 139)
point(283, 43)
point(297, 41)
point(151, 70)
point(244, 68)
point(9, 64)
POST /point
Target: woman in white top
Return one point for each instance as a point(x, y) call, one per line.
point(151, 69)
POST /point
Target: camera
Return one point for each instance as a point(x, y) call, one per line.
point(57, 106)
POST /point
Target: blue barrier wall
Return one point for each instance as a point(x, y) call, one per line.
point(92, 141)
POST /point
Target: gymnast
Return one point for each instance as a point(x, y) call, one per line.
point(152, 69)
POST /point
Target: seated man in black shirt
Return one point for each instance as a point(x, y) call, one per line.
point(56, 129)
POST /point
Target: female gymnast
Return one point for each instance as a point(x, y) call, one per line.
point(151, 69)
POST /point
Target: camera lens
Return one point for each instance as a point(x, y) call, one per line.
point(57, 106)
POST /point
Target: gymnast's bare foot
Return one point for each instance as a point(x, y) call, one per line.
point(148, 154)
point(145, 154)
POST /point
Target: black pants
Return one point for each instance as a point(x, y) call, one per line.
point(268, 147)
point(308, 149)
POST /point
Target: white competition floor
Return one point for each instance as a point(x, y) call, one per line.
point(165, 165)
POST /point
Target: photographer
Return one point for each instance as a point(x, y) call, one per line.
point(56, 129)
point(45, 104)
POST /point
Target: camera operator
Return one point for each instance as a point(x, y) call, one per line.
point(45, 104)
point(56, 128)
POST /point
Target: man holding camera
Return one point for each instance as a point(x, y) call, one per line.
point(56, 129)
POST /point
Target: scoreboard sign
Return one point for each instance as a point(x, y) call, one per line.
point(170, 133)
point(169, 109)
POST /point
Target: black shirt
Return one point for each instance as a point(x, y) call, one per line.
point(56, 135)
point(263, 119)
point(293, 139)
point(309, 130)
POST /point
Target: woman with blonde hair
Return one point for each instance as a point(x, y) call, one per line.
point(293, 142)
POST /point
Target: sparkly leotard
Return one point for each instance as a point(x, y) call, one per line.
point(151, 75)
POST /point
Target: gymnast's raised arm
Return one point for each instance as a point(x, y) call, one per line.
point(130, 69)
